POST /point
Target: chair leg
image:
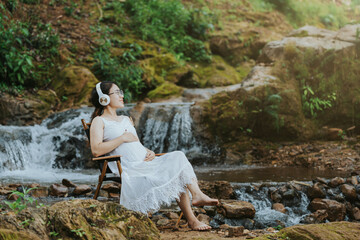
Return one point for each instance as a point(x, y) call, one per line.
point(178, 221)
point(119, 167)
point(101, 178)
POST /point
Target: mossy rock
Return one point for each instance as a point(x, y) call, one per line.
point(74, 84)
point(7, 234)
point(157, 67)
point(326, 231)
point(216, 73)
point(165, 91)
point(72, 219)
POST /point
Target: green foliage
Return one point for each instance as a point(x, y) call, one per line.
point(268, 108)
point(30, 1)
point(169, 24)
point(312, 104)
point(123, 70)
point(11, 5)
point(26, 53)
point(22, 202)
point(306, 12)
point(69, 10)
point(79, 232)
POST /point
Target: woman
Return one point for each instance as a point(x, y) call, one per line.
point(147, 181)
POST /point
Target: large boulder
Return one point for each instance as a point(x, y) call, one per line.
point(236, 209)
point(72, 219)
point(315, 39)
point(217, 189)
point(73, 85)
point(27, 108)
point(336, 211)
point(302, 83)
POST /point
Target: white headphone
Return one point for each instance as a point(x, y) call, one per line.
point(104, 99)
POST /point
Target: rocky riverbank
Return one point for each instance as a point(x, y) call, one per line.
point(241, 212)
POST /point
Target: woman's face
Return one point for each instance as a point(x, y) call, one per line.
point(116, 97)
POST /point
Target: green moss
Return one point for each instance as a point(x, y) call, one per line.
point(165, 90)
point(216, 73)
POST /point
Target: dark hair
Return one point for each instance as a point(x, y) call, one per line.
point(105, 88)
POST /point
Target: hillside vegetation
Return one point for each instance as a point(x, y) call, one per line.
point(147, 46)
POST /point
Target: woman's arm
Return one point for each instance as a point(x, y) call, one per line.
point(98, 146)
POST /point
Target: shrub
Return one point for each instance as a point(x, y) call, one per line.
point(169, 24)
point(122, 70)
point(20, 43)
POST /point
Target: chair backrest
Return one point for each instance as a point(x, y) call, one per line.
point(86, 127)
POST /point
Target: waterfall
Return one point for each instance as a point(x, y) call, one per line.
point(58, 143)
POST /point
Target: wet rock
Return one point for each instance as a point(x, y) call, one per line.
point(237, 209)
point(349, 192)
point(355, 213)
point(322, 180)
point(113, 187)
point(235, 231)
point(82, 189)
point(210, 210)
point(113, 195)
point(34, 185)
point(336, 211)
point(204, 218)
point(68, 152)
point(68, 183)
point(289, 194)
point(276, 197)
point(316, 191)
point(316, 217)
point(40, 192)
point(217, 189)
point(336, 182)
point(354, 180)
point(172, 215)
point(279, 207)
point(58, 190)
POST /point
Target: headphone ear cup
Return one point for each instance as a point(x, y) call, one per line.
point(104, 100)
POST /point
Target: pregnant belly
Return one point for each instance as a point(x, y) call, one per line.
point(133, 151)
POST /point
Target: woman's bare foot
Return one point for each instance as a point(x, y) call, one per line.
point(199, 226)
point(204, 200)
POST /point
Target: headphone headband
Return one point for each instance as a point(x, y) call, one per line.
point(104, 99)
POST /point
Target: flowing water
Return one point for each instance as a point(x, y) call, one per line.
point(56, 149)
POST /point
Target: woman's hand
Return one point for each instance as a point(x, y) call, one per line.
point(150, 155)
point(129, 137)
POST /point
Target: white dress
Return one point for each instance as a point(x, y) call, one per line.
point(146, 185)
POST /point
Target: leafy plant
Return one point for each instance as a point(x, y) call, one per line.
point(79, 232)
point(169, 24)
point(27, 53)
point(123, 70)
point(22, 202)
point(312, 104)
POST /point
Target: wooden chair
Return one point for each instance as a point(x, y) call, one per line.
point(103, 164)
point(104, 169)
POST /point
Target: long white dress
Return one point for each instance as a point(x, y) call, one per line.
point(146, 185)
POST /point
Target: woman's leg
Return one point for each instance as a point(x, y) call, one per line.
point(199, 198)
point(185, 207)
